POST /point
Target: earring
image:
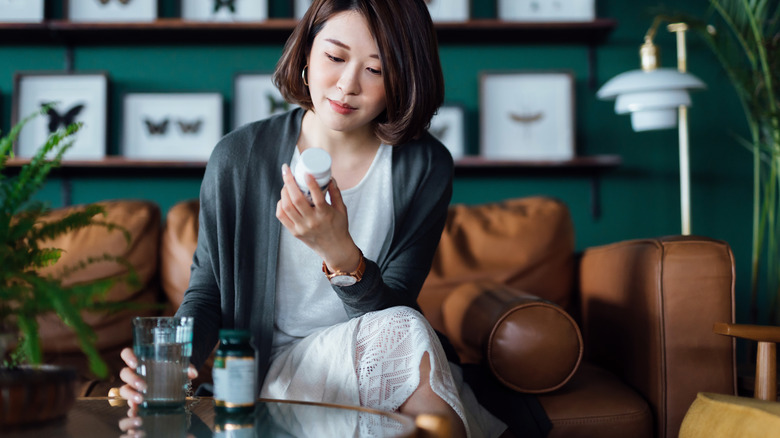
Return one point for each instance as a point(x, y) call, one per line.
point(303, 75)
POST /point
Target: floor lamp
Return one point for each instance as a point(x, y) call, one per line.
point(657, 98)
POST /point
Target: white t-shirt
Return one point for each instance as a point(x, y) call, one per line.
point(305, 300)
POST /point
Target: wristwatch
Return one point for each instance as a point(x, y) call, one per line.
point(341, 278)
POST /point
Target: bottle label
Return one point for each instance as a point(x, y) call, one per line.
point(234, 381)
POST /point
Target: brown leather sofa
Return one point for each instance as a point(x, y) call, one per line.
point(616, 341)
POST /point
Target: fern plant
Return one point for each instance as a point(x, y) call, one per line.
point(25, 293)
point(745, 37)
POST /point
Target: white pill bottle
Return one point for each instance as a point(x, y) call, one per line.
point(314, 161)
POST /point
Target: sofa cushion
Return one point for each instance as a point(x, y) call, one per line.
point(530, 345)
point(177, 246)
point(526, 243)
point(596, 404)
point(142, 220)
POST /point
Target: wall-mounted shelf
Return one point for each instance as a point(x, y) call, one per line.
point(591, 167)
point(584, 167)
point(276, 31)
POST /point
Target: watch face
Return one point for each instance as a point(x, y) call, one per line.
point(343, 280)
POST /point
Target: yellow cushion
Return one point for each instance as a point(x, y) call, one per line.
point(718, 415)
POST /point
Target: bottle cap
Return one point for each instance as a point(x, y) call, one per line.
point(317, 162)
point(234, 334)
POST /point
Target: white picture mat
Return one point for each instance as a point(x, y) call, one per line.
point(114, 11)
point(527, 116)
point(21, 11)
point(300, 7)
point(173, 144)
point(69, 91)
point(547, 10)
point(448, 125)
point(255, 97)
point(203, 10)
point(449, 10)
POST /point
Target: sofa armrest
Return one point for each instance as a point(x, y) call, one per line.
point(530, 344)
point(647, 309)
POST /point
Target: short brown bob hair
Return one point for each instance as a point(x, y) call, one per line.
point(408, 50)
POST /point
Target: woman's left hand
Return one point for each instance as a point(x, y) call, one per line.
point(321, 226)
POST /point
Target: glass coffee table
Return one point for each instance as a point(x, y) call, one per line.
point(99, 417)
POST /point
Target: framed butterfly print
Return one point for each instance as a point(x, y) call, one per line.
point(224, 10)
point(547, 10)
point(448, 126)
point(77, 97)
point(126, 11)
point(527, 115)
point(300, 7)
point(21, 11)
point(449, 10)
point(255, 97)
point(171, 126)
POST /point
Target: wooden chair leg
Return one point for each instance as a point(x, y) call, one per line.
point(766, 369)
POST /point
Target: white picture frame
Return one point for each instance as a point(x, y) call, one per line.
point(255, 97)
point(449, 127)
point(79, 97)
point(224, 10)
point(547, 10)
point(449, 10)
point(113, 11)
point(171, 126)
point(300, 7)
point(21, 11)
point(527, 115)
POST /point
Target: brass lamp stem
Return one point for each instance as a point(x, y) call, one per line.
point(685, 177)
point(649, 55)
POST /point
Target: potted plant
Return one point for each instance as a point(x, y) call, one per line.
point(26, 294)
point(745, 37)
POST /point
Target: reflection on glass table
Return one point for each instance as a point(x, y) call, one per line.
point(107, 417)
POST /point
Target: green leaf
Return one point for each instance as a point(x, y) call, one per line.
point(24, 233)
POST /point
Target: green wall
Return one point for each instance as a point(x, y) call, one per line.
point(639, 199)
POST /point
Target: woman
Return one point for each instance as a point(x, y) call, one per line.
point(328, 288)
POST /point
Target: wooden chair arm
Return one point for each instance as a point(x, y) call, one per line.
point(766, 356)
point(758, 333)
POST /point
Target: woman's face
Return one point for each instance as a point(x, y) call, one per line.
point(345, 74)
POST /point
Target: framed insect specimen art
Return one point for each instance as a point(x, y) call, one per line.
point(75, 97)
point(300, 7)
point(547, 10)
point(21, 11)
point(527, 115)
point(448, 126)
point(255, 97)
point(224, 10)
point(126, 11)
point(171, 126)
point(448, 10)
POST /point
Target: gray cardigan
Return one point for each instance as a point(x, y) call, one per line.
point(233, 274)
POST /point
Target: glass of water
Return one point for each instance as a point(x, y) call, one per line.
point(163, 346)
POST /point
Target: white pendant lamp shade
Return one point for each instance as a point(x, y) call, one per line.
point(651, 97)
point(651, 110)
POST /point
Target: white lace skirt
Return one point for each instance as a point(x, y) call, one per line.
point(373, 361)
